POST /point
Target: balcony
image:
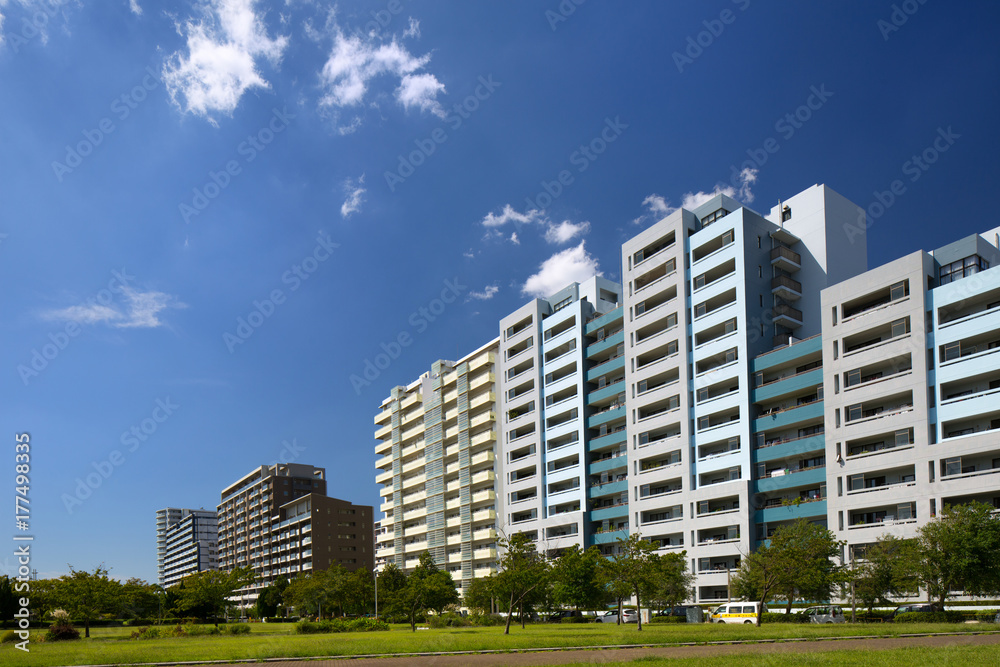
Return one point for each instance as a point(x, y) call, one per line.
point(787, 316)
point(786, 259)
point(786, 288)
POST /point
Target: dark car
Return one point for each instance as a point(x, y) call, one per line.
point(908, 608)
point(560, 615)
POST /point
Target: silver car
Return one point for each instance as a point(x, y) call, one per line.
point(628, 616)
point(825, 614)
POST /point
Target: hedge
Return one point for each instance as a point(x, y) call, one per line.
point(773, 617)
point(341, 625)
point(576, 619)
point(930, 617)
point(668, 619)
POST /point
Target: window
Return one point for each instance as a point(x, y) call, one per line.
point(962, 268)
point(899, 290)
point(700, 309)
point(951, 351)
point(900, 327)
point(854, 412)
point(852, 377)
point(730, 325)
point(786, 214)
point(953, 466)
point(727, 238)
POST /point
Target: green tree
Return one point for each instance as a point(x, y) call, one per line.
point(426, 587)
point(359, 592)
point(636, 565)
point(8, 599)
point(479, 595)
point(960, 551)
point(812, 548)
point(270, 598)
point(212, 589)
point(87, 595)
point(521, 573)
point(672, 580)
point(890, 569)
point(307, 593)
point(576, 579)
point(138, 599)
point(759, 575)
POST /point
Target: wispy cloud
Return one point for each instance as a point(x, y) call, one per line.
point(488, 293)
point(140, 311)
point(508, 214)
point(566, 231)
point(658, 207)
point(571, 265)
point(134, 6)
point(413, 30)
point(221, 64)
point(356, 60)
point(355, 196)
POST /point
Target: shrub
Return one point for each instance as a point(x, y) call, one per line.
point(485, 620)
point(367, 625)
point(930, 617)
point(574, 619)
point(772, 617)
point(448, 620)
point(58, 633)
point(235, 629)
point(986, 616)
point(668, 619)
point(9, 637)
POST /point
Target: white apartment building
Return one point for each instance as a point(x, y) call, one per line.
point(436, 439)
point(912, 371)
point(545, 363)
point(706, 291)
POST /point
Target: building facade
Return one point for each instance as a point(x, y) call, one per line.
point(912, 373)
point(436, 439)
point(186, 542)
point(279, 522)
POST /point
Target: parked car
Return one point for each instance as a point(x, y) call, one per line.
point(628, 616)
point(560, 615)
point(825, 614)
point(737, 612)
point(693, 613)
point(907, 608)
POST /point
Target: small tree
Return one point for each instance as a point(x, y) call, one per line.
point(8, 600)
point(890, 569)
point(811, 548)
point(521, 572)
point(636, 567)
point(212, 589)
point(87, 595)
point(960, 551)
point(576, 579)
point(759, 575)
point(307, 593)
point(672, 580)
point(270, 598)
point(479, 594)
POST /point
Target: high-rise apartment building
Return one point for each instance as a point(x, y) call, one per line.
point(707, 291)
point(279, 522)
point(186, 542)
point(549, 412)
point(191, 546)
point(749, 371)
point(437, 447)
point(911, 355)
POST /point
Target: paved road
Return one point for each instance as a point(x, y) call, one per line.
point(598, 656)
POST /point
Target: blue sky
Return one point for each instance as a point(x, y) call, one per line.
point(215, 212)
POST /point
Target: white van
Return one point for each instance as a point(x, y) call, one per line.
point(737, 612)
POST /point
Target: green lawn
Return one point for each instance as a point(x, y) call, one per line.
point(111, 645)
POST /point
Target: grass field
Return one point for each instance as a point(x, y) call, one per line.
point(111, 645)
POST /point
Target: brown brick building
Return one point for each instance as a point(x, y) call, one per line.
point(278, 521)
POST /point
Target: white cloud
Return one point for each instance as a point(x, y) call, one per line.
point(659, 207)
point(413, 30)
point(356, 60)
point(657, 204)
point(469, 254)
point(513, 239)
point(488, 293)
point(570, 265)
point(140, 310)
point(566, 231)
point(355, 195)
point(508, 214)
point(134, 6)
point(221, 64)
